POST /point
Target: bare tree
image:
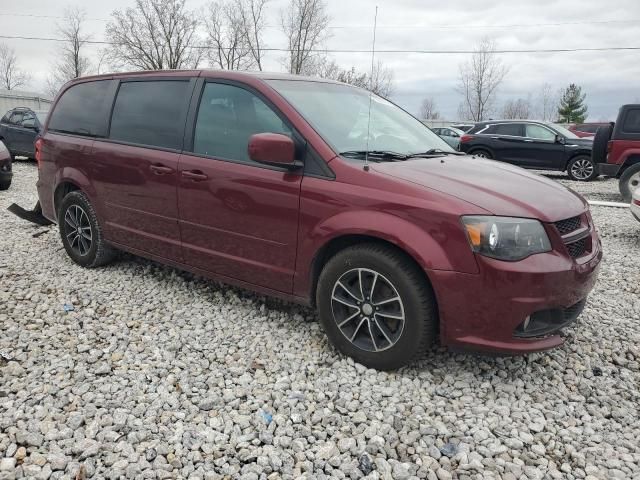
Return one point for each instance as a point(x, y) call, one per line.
point(304, 23)
point(517, 109)
point(381, 80)
point(71, 63)
point(154, 35)
point(251, 14)
point(479, 80)
point(428, 109)
point(229, 47)
point(547, 103)
point(11, 75)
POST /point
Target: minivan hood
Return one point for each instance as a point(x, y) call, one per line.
point(499, 188)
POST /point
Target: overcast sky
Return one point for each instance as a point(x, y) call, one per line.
point(609, 78)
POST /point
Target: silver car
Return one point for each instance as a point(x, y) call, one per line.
point(450, 135)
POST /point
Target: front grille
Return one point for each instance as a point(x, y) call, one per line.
point(577, 249)
point(569, 225)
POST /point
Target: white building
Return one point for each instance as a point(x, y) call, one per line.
point(14, 98)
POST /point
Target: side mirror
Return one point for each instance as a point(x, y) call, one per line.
point(29, 124)
point(272, 149)
point(560, 139)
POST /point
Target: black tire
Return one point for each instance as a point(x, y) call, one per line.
point(399, 346)
point(98, 252)
point(5, 184)
point(600, 140)
point(582, 168)
point(482, 153)
point(629, 181)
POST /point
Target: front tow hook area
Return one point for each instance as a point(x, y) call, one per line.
point(33, 216)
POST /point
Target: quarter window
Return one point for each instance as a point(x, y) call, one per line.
point(632, 121)
point(227, 117)
point(539, 132)
point(83, 109)
point(150, 113)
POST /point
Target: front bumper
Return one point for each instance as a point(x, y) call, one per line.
point(486, 311)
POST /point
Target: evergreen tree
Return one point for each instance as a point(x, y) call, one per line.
point(572, 108)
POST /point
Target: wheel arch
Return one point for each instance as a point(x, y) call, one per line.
point(341, 242)
point(67, 180)
point(486, 148)
point(631, 158)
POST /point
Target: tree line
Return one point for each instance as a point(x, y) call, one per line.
point(229, 34)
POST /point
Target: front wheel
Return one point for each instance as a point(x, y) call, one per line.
point(629, 181)
point(81, 233)
point(376, 306)
point(582, 169)
point(482, 154)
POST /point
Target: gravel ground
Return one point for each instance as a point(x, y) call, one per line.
point(156, 373)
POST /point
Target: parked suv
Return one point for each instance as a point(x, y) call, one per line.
point(265, 181)
point(529, 144)
point(18, 130)
point(616, 150)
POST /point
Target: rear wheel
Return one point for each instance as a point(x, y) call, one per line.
point(81, 233)
point(376, 306)
point(629, 181)
point(481, 154)
point(582, 168)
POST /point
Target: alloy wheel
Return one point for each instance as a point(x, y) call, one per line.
point(582, 169)
point(368, 310)
point(78, 230)
point(481, 154)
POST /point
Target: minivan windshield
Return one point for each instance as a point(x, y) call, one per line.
point(340, 114)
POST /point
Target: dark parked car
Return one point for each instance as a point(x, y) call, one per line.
point(530, 144)
point(5, 167)
point(585, 130)
point(616, 150)
point(19, 128)
point(265, 181)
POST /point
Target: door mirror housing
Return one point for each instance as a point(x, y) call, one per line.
point(30, 124)
point(273, 149)
point(560, 139)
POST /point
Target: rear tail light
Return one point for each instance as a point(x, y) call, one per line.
point(38, 148)
point(636, 202)
point(466, 138)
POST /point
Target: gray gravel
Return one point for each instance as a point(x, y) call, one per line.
point(156, 373)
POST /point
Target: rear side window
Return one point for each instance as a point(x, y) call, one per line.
point(227, 117)
point(511, 129)
point(151, 113)
point(632, 121)
point(83, 109)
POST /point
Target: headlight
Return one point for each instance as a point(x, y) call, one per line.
point(506, 238)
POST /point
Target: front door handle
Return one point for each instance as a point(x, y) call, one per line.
point(195, 175)
point(160, 169)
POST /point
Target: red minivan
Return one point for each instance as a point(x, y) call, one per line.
point(319, 193)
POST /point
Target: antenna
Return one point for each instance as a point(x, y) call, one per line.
point(373, 56)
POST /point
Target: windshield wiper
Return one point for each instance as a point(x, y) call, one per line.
point(376, 154)
point(435, 152)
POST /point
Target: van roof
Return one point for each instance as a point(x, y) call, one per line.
point(206, 72)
